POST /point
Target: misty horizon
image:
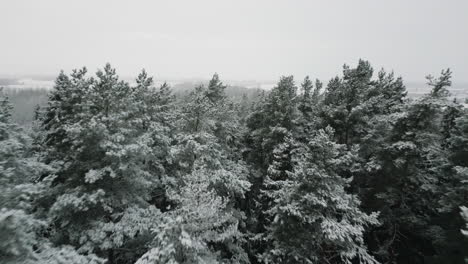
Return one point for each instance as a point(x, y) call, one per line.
point(240, 40)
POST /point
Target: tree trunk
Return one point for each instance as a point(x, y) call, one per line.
point(110, 256)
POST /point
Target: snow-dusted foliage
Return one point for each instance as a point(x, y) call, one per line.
point(348, 172)
point(106, 142)
point(311, 202)
point(201, 228)
point(22, 226)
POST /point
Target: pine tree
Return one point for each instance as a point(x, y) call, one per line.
point(276, 140)
point(200, 229)
point(343, 100)
point(207, 143)
point(16, 226)
point(271, 121)
point(456, 190)
point(408, 174)
point(21, 225)
point(351, 102)
point(312, 202)
point(103, 172)
point(306, 99)
point(64, 105)
point(310, 103)
point(216, 90)
point(388, 94)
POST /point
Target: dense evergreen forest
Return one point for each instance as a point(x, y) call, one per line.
point(26, 100)
point(350, 171)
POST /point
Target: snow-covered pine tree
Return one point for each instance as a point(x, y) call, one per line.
point(351, 102)
point(363, 110)
point(201, 228)
point(305, 104)
point(313, 218)
point(215, 91)
point(17, 226)
point(309, 105)
point(102, 175)
point(272, 122)
point(205, 153)
point(343, 99)
point(156, 123)
point(409, 173)
point(22, 226)
point(64, 106)
point(457, 144)
point(272, 119)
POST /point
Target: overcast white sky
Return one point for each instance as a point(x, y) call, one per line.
point(239, 39)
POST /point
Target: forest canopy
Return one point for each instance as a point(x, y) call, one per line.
point(345, 171)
